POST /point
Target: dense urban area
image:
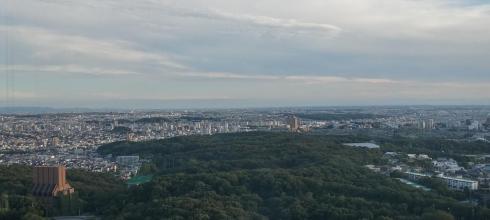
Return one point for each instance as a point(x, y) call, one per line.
point(441, 151)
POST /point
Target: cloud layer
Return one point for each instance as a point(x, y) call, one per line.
point(325, 52)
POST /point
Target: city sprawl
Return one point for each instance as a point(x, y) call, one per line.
point(71, 139)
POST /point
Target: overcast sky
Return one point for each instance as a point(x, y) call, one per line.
point(95, 53)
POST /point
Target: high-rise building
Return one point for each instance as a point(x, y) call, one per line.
point(294, 124)
point(55, 142)
point(475, 125)
point(430, 124)
point(50, 182)
point(487, 124)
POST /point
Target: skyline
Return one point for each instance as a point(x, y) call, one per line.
point(103, 54)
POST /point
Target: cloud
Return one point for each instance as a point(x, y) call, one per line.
point(337, 79)
point(52, 45)
point(306, 79)
point(38, 50)
point(230, 76)
point(328, 80)
point(67, 69)
point(377, 48)
point(288, 25)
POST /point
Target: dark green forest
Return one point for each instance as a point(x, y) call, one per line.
point(254, 176)
point(274, 176)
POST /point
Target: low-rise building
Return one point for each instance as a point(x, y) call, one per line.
point(127, 160)
point(452, 182)
point(459, 183)
point(446, 165)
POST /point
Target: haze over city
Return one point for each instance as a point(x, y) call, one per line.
point(163, 54)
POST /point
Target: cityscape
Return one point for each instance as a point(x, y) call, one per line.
point(71, 139)
point(52, 142)
point(246, 110)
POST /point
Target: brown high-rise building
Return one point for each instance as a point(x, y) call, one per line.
point(294, 124)
point(55, 141)
point(50, 182)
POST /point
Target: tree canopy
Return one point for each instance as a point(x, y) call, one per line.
point(256, 175)
point(273, 176)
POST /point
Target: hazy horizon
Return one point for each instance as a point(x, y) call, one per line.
point(156, 105)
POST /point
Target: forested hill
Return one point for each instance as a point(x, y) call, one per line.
point(271, 176)
point(94, 193)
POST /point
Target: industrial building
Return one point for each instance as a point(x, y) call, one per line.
point(50, 182)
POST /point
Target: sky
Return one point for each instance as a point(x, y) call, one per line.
point(238, 53)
